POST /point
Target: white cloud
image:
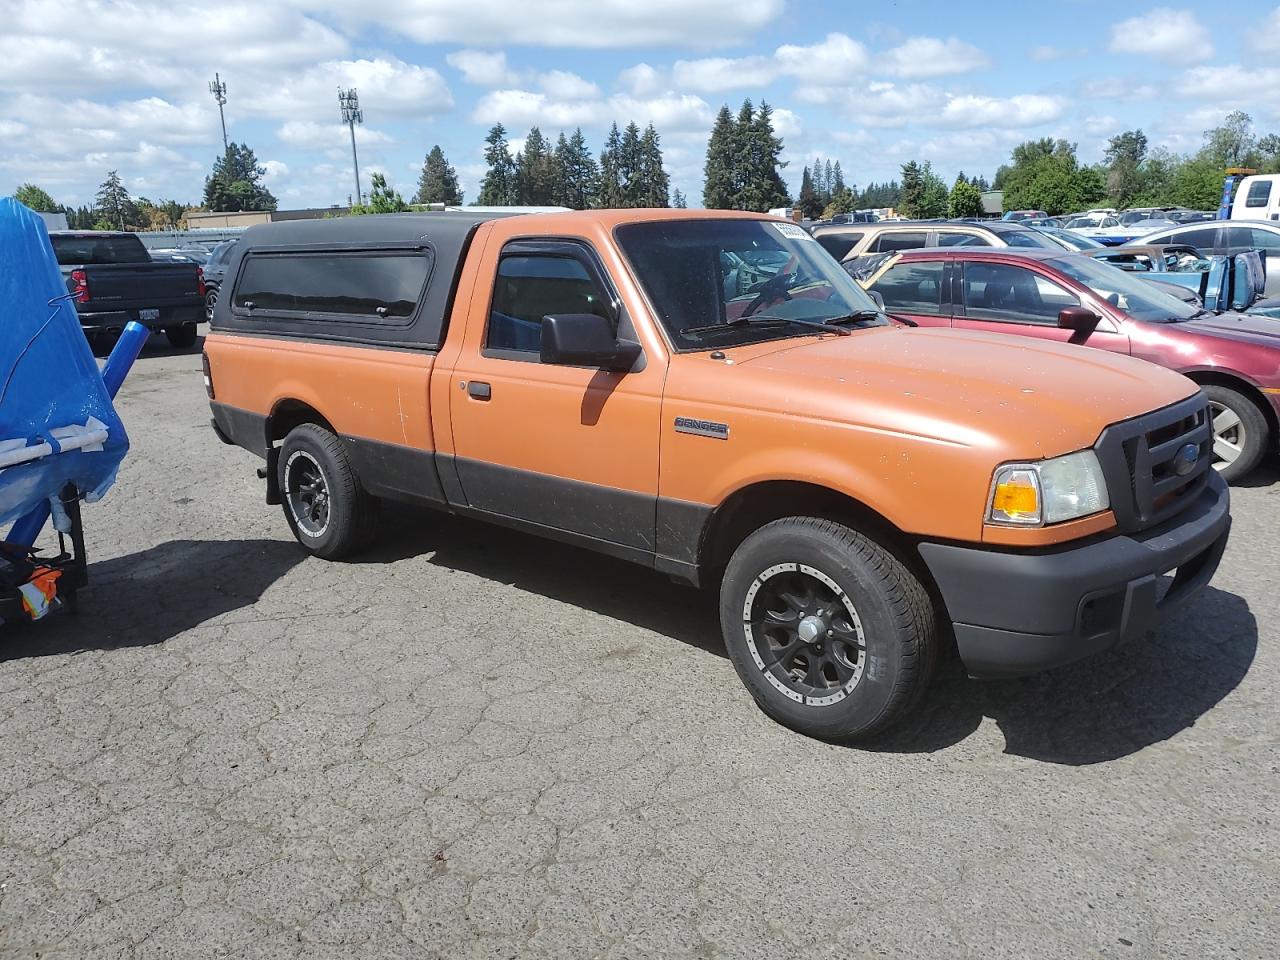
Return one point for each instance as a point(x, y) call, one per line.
point(835, 60)
point(1174, 36)
point(642, 80)
point(566, 23)
point(326, 136)
point(562, 85)
point(921, 57)
point(521, 109)
point(483, 68)
point(1265, 38)
point(1024, 110)
point(116, 45)
point(387, 87)
point(1101, 125)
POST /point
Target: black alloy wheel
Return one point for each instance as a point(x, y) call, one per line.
point(804, 634)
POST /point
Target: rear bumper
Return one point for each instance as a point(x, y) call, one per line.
point(113, 321)
point(1018, 613)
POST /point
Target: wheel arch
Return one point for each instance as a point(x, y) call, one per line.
point(286, 414)
point(749, 508)
point(1244, 386)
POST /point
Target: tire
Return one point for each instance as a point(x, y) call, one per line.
point(1241, 433)
point(874, 659)
point(210, 301)
point(182, 337)
point(326, 507)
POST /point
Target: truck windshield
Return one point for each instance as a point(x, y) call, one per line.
point(88, 249)
point(707, 279)
point(1138, 298)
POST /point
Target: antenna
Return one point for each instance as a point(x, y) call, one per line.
point(349, 102)
point(219, 91)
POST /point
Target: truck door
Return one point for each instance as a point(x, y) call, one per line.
point(1006, 298)
point(568, 448)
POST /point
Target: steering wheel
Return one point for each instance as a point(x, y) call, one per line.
point(775, 288)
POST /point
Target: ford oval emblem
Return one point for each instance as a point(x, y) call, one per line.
point(1186, 458)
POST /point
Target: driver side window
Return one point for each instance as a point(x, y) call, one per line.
point(530, 287)
point(1000, 291)
point(912, 287)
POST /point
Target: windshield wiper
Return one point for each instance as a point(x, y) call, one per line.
point(770, 320)
point(862, 316)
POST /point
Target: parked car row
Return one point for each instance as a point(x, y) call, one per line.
point(1074, 298)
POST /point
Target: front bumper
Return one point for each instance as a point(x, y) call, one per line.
point(1018, 613)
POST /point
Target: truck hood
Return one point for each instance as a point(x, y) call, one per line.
point(1038, 398)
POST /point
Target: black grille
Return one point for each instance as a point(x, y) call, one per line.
point(1141, 461)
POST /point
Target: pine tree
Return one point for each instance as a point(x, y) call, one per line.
point(535, 172)
point(628, 167)
point(612, 194)
point(745, 155)
point(912, 190)
point(677, 200)
point(810, 206)
point(438, 182)
point(498, 188)
point(717, 187)
point(763, 188)
point(653, 186)
point(578, 172)
point(829, 181)
point(113, 208)
point(236, 182)
point(837, 183)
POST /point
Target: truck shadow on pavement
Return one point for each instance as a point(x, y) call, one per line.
point(572, 575)
point(149, 597)
point(1101, 709)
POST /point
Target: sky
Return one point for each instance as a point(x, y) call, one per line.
point(95, 85)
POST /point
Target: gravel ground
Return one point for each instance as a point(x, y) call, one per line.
point(471, 743)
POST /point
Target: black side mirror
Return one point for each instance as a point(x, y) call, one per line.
point(585, 340)
point(1080, 319)
point(875, 295)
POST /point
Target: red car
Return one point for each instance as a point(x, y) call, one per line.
point(1071, 297)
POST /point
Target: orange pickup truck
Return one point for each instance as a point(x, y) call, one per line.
point(711, 395)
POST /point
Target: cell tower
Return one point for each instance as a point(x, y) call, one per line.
point(349, 102)
point(219, 91)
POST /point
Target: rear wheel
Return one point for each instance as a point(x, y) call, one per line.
point(1240, 432)
point(210, 301)
point(183, 336)
point(326, 507)
point(831, 633)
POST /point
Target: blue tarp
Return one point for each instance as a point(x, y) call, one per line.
point(48, 376)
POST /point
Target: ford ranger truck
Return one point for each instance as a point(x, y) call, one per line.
point(710, 395)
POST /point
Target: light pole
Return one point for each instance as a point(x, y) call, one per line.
point(349, 101)
point(219, 91)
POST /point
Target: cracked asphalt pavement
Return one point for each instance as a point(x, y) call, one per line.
point(472, 743)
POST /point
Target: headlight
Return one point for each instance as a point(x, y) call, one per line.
point(1051, 491)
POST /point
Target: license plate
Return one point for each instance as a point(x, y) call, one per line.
point(149, 314)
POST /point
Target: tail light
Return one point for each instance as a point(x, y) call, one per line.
point(80, 286)
point(200, 280)
point(208, 375)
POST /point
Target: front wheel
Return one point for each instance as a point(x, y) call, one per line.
point(1240, 432)
point(210, 301)
point(829, 631)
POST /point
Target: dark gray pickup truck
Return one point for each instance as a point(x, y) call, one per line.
point(115, 280)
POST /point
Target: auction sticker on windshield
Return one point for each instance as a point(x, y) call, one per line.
point(791, 232)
